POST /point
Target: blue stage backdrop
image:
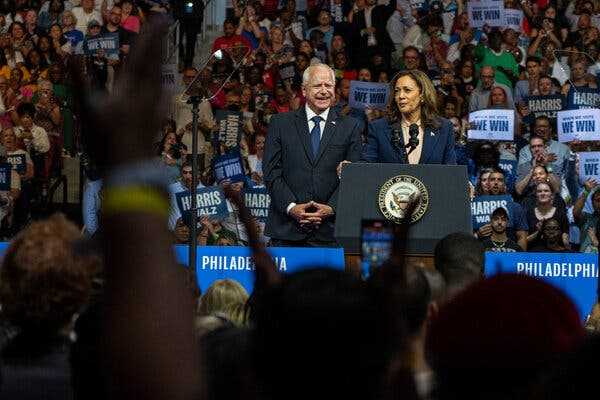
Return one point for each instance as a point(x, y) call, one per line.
point(575, 273)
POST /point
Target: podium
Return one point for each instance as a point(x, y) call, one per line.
point(448, 210)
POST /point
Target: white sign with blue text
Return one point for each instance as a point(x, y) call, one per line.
point(580, 125)
point(491, 125)
point(589, 166)
point(368, 95)
point(486, 12)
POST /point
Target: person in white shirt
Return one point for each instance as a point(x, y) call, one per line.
point(84, 14)
point(34, 137)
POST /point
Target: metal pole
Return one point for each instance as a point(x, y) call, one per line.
point(195, 101)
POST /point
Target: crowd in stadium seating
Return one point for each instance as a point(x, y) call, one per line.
point(114, 317)
point(545, 64)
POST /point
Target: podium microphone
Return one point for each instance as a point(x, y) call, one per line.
point(413, 141)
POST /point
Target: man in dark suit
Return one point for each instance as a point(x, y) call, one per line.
point(302, 151)
point(370, 28)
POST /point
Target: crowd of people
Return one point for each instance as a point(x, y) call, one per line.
point(550, 55)
point(110, 316)
point(42, 43)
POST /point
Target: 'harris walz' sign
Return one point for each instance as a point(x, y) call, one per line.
point(211, 203)
point(545, 105)
point(18, 162)
point(230, 127)
point(258, 201)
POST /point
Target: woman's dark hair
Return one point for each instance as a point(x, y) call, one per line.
point(543, 226)
point(43, 63)
point(10, 29)
point(26, 109)
point(176, 153)
point(429, 111)
point(487, 149)
point(478, 188)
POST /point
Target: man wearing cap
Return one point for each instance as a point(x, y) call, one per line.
point(498, 241)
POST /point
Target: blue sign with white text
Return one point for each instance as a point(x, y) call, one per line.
point(5, 172)
point(482, 208)
point(235, 262)
point(210, 201)
point(574, 273)
point(229, 167)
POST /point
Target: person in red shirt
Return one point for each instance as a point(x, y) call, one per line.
point(229, 39)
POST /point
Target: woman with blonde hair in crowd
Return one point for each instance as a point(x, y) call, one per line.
point(220, 296)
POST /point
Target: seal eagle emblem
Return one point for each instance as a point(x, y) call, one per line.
point(397, 193)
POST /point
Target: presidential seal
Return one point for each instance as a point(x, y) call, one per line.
point(397, 193)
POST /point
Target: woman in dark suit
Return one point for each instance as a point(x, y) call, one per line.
point(413, 132)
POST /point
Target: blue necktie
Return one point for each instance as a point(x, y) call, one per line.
point(315, 135)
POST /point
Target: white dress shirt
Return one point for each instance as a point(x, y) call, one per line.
point(309, 115)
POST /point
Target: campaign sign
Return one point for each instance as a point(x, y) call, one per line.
point(229, 166)
point(108, 42)
point(230, 127)
point(574, 273)
point(583, 98)
point(18, 162)
point(482, 208)
point(5, 170)
point(589, 165)
point(514, 19)
point(510, 172)
point(234, 262)
point(210, 201)
point(545, 105)
point(368, 94)
point(486, 12)
point(580, 124)
point(258, 201)
point(491, 125)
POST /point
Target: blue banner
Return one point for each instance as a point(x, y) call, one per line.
point(574, 273)
point(211, 203)
point(214, 262)
point(482, 208)
point(18, 162)
point(221, 262)
point(5, 170)
point(258, 201)
point(229, 167)
point(510, 172)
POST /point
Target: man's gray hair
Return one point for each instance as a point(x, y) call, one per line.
point(308, 71)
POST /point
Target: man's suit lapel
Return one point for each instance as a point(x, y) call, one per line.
point(303, 133)
point(430, 139)
point(330, 127)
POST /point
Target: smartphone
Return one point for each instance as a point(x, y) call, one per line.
point(376, 236)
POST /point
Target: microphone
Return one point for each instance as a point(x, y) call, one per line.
point(397, 142)
point(413, 140)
